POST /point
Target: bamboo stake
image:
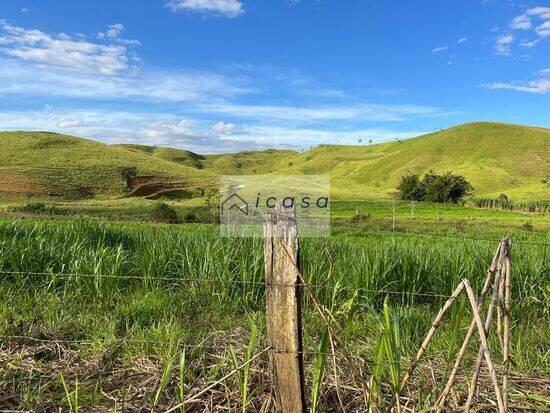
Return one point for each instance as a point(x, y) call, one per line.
point(426, 341)
point(485, 345)
point(488, 280)
point(488, 322)
point(499, 313)
point(507, 299)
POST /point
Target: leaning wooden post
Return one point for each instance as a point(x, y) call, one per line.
point(506, 341)
point(283, 310)
point(484, 345)
point(488, 280)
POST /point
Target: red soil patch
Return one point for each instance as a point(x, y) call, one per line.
point(16, 182)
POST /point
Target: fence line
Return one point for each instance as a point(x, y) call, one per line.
point(464, 238)
point(365, 230)
point(221, 280)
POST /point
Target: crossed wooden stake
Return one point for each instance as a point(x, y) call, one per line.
point(498, 279)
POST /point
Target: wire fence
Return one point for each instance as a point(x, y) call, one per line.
point(365, 231)
point(221, 280)
point(206, 347)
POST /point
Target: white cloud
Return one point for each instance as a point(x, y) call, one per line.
point(541, 12)
point(224, 128)
point(44, 80)
point(312, 114)
point(537, 86)
point(169, 130)
point(68, 123)
point(521, 22)
point(503, 43)
point(206, 123)
point(227, 8)
point(24, 10)
point(529, 44)
point(114, 34)
point(115, 30)
point(37, 47)
point(536, 19)
point(439, 49)
point(462, 40)
point(544, 29)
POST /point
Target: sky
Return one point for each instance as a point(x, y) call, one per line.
point(217, 76)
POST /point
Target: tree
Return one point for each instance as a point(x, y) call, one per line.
point(445, 188)
point(434, 188)
point(410, 188)
point(127, 173)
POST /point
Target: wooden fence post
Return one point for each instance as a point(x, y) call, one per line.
point(283, 310)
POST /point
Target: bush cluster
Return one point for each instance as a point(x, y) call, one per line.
point(444, 188)
point(40, 208)
point(164, 213)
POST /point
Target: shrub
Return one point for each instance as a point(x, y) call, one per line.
point(360, 216)
point(528, 226)
point(190, 217)
point(127, 173)
point(162, 212)
point(445, 188)
point(461, 225)
point(40, 208)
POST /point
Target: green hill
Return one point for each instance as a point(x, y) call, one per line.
point(43, 163)
point(496, 158)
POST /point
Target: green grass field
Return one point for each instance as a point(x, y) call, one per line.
point(116, 304)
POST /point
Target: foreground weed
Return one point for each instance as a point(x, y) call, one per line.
point(181, 382)
point(71, 396)
point(243, 376)
point(319, 371)
point(387, 353)
point(165, 378)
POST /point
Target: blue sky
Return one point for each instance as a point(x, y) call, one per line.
point(228, 75)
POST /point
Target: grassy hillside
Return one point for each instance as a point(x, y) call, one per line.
point(49, 163)
point(496, 158)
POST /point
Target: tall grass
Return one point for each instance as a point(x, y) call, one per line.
point(191, 286)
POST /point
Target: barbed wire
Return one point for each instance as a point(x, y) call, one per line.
point(403, 294)
point(222, 280)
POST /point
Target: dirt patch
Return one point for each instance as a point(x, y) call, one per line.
point(16, 182)
point(32, 371)
point(153, 189)
point(146, 186)
point(137, 181)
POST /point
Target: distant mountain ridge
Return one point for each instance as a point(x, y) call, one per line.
point(495, 157)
